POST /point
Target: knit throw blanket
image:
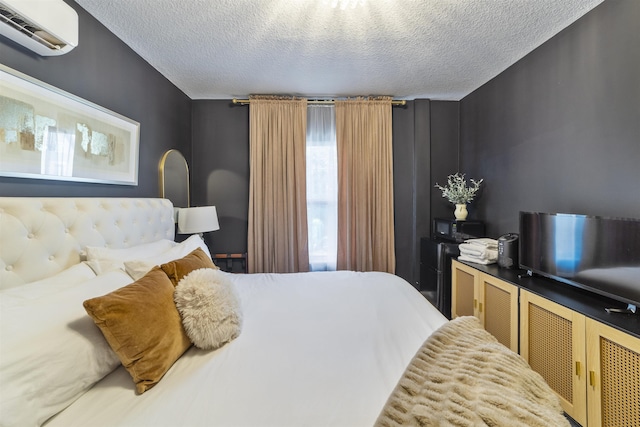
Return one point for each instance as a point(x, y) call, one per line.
point(462, 376)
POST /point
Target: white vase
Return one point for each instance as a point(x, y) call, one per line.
point(461, 211)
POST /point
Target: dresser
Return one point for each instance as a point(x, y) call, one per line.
point(590, 358)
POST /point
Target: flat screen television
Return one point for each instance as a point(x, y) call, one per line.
point(598, 254)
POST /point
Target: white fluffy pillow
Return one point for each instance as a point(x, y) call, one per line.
point(136, 268)
point(209, 308)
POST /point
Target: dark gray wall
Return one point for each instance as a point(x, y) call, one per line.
point(421, 181)
point(404, 190)
point(105, 71)
point(435, 133)
point(559, 131)
point(445, 139)
point(220, 170)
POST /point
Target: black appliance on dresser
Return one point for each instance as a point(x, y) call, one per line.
point(451, 229)
point(435, 261)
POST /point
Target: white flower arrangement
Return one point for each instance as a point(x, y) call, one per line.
point(456, 190)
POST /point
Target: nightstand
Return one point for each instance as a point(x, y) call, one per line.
point(232, 263)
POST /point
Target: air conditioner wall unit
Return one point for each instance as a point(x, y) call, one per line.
point(47, 27)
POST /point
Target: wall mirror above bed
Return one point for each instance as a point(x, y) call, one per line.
point(174, 178)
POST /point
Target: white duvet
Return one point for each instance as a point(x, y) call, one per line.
point(316, 349)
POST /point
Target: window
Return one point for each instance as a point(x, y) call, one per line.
point(322, 187)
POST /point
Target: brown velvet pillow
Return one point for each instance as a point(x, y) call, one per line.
point(179, 268)
point(142, 325)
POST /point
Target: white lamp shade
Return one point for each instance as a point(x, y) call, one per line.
point(197, 220)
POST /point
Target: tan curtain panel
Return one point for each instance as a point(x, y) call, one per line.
point(365, 185)
point(277, 239)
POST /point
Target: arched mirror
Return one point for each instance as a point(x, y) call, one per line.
point(174, 178)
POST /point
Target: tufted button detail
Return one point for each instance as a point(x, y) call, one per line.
point(69, 221)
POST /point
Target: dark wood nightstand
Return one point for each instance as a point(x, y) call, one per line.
point(232, 263)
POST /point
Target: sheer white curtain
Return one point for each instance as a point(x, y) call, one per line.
point(322, 187)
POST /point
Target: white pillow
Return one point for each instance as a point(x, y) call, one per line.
point(209, 308)
point(138, 268)
point(54, 284)
point(102, 259)
point(52, 352)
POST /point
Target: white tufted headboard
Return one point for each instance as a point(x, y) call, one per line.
point(40, 237)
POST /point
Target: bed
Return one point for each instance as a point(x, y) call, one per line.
point(315, 349)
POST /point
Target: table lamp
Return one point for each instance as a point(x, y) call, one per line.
point(197, 220)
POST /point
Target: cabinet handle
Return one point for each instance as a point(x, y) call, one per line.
point(480, 308)
point(592, 378)
point(577, 367)
point(475, 303)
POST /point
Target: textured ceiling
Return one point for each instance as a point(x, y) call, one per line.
point(437, 49)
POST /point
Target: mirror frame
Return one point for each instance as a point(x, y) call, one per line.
point(161, 175)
